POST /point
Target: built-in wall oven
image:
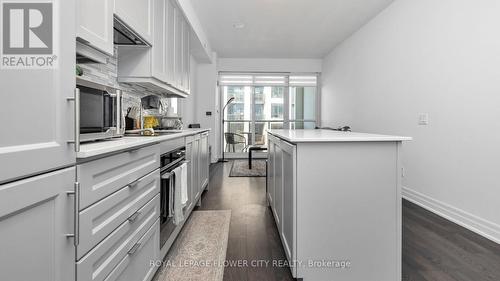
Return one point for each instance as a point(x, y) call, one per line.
point(169, 161)
point(99, 111)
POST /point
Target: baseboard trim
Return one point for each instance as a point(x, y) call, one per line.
point(487, 229)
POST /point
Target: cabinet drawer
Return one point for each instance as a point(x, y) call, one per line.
point(135, 265)
point(170, 145)
point(100, 261)
point(100, 219)
point(102, 177)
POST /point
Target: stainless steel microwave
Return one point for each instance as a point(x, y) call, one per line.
point(99, 111)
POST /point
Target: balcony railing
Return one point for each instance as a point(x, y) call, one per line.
point(240, 134)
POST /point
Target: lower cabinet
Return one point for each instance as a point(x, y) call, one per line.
point(204, 159)
point(106, 257)
point(97, 221)
point(193, 155)
point(197, 152)
point(270, 170)
point(105, 176)
point(282, 193)
point(34, 212)
point(118, 221)
point(136, 265)
point(289, 197)
point(278, 186)
point(190, 172)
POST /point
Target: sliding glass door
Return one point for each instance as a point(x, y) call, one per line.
point(261, 102)
point(237, 118)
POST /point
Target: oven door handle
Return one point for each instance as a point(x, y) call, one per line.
point(170, 196)
point(167, 175)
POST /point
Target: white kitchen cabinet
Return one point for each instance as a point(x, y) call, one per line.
point(169, 38)
point(136, 264)
point(138, 15)
point(281, 192)
point(178, 51)
point(95, 24)
point(186, 31)
point(270, 171)
point(105, 176)
point(100, 219)
point(35, 216)
point(198, 167)
point(288, 232)
point(103, 259)
point(180, 37)
point(159, 49)
point(165, 66)
point(204, 159)
point(195, 162)
point(327, 186)
point(190, 172)
point(38, 99)
point(278, 186)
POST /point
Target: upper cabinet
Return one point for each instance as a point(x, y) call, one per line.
point(160, 62)
point(179, 19)
point(200, 46)
point(44, 99)
point(165, 66)
point(138, 15)
point(186, 56)
point(95, 24)
point(169, 35)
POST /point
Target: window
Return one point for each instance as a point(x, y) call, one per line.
point(277, 111)
point(266, 101)
point(277, 92)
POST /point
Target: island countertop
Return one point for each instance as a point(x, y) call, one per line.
point(322, 135)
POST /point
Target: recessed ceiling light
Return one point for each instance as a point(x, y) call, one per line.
point(238, 25)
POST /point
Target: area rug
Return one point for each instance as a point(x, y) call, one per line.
point(240, 168)
point(199, 252)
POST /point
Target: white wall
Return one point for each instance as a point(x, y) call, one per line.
point(207, 99)
point(436, 57)
point(269, 65)
point(203, 98)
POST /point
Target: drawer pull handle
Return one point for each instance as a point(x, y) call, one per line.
point(135, 183)
point(133, 217)
point(76, 214)
point(134, 248)
point(134, 151)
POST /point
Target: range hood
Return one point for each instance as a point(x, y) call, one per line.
point(125, 36)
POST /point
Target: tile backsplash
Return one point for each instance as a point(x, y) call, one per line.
point(107, 74)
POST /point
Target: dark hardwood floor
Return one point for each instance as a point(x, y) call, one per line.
point(434, 249)
point(437, 249)
point(252, 234)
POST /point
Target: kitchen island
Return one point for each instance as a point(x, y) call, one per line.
point(336, 199)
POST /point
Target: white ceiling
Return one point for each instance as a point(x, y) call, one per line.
point(282, 28)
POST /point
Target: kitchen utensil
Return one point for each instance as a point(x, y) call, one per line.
point(171, 123)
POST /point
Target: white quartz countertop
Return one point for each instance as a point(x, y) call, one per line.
point(97, 148)
point(299, 136)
